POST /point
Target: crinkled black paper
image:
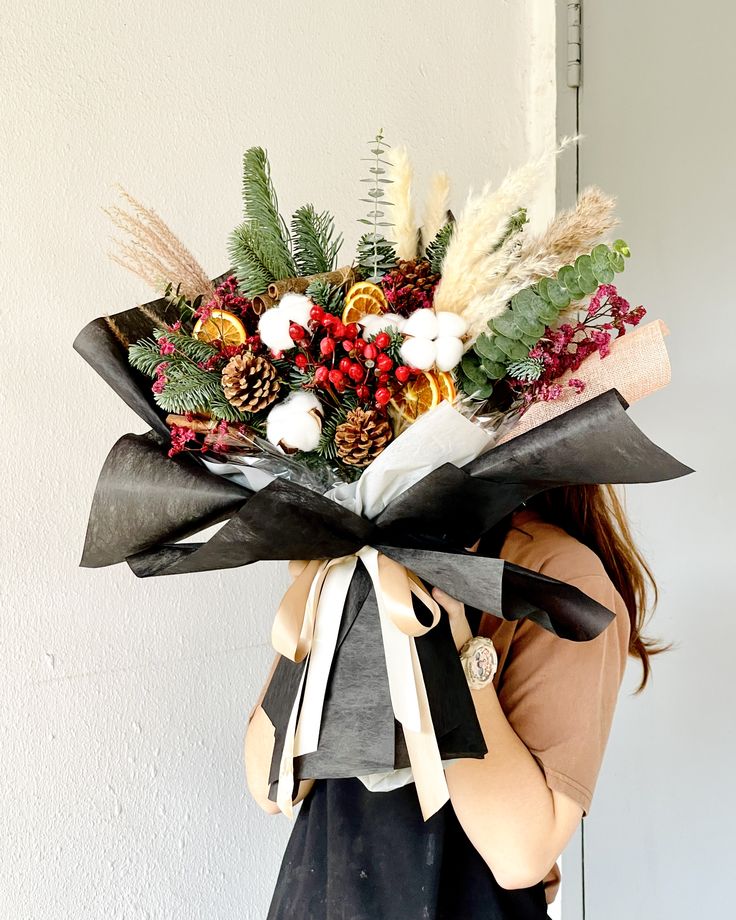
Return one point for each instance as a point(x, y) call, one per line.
point(146, 502)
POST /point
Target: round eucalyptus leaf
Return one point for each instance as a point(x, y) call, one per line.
point(542, 288)
point(494, 369)
point(599, 255)
point(506, 324)
point(472, 370)
point(603, 273)
point(617, 262)
point(527, 303)
point(530, 340)
point(530, 326)
point(622, 247)
point(558, 296)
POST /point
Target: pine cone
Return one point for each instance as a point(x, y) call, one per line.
point(362, 436)
point(410, 286)
point(250, 382)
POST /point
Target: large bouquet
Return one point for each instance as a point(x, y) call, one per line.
point(370, 422)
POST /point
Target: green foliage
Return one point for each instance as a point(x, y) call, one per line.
point(251, 270)
point(315, 244)
point(516, 223)
point(504, 349)
point(370, 256)
point(438, 247)
point(144, 356)
point(189, 387)
point(259, 248)
point(186, 346)
point(376, 256)
point(262, 211)
point(528, 370)
point(330, 297)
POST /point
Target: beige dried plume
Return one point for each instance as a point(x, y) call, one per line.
point(405, 228)
point(473, 261)
point(154, 253)
point(571, 234)
point(435, 207)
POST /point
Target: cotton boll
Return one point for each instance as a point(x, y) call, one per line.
point(392, 321)
point(273, 327)
point(422, 323)
point(451, 324)
point(296, 423)
point(418, 352)
point(296, 307)
point(449, 352)
point(373, 323)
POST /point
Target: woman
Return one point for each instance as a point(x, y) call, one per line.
point(491, 852)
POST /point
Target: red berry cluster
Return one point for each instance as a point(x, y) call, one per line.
point(339, 359)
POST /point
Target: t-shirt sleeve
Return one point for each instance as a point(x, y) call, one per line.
point(558, 695)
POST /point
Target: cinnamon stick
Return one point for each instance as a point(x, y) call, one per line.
point(277, 289)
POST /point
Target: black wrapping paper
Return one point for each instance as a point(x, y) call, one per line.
point(145, 503)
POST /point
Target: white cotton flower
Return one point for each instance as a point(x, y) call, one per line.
point(450, 324)
point(273, 328)
point(449, 352)
point(296, 423)
point(422, 323)
point(418, 352)
point(433, 339)
point(373, 323)
point(296, 307)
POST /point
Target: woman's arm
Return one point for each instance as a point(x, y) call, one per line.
point(259, 743)
point(518, 825)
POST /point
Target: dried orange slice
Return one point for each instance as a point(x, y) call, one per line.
point(221, 326)
point(418, 396)
point(363, 298)
point(446, 385)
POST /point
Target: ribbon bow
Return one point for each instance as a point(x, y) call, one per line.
point(307, 625)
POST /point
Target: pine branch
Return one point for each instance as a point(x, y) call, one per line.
point(515, 225)
point(315, 244)
point(194, 349)
point(145, 356)
point(330, 297)
point(438, 247)
point(188, 389)
point(269, 232)
point(252, 274)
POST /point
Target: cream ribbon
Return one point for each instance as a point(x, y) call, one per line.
point(307, 625)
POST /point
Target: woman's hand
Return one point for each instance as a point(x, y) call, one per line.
point(461, 631)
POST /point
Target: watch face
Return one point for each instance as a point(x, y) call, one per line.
point(483, 663)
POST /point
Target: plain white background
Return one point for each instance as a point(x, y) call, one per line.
point(123, 703)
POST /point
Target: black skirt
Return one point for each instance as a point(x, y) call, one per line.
point(360, 855)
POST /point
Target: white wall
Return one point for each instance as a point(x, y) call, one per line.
point(123, 702)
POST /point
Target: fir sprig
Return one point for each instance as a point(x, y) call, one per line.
point(315, 245)
point(262, 211)
point(145, 356)
point(259, 248)
point(438, 247)
point(331, 297)
point(252, 273)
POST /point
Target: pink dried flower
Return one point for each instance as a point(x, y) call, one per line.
point(165, 346)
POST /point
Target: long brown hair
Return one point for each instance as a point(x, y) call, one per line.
point(595, 516)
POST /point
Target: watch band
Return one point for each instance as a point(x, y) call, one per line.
point(480, 662)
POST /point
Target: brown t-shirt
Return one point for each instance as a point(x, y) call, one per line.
point(559, 696)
